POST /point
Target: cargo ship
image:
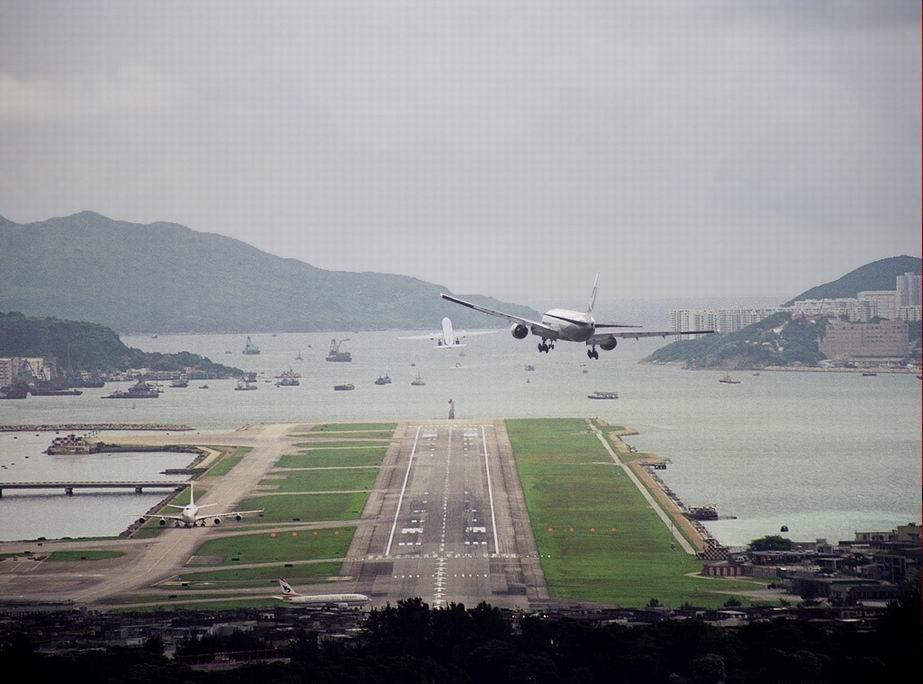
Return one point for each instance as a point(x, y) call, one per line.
point(140, 390)
point(344, 388)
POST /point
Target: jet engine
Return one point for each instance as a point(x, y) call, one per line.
point(162, 522)
point(238, 517)
point(519, 331)
point(609, 344)
point(217, 521)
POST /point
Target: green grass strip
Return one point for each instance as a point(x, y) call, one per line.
point(307, 508)
point(269, 547)
point(326, 458)
point(354, 427)
point(326, 480)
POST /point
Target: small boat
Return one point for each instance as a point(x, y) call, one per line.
point(274, 335)
point(869, 374)
point(585, 371)
point(250, 348)
point(728, 380)
point(756, 375)
point(383, 380)
point(181, 381)
point(603, 395)
point(530, 367)
point(344, 388)
point(417, 381)
point(299, 357)
point(244, 384)
point(228, 351)
point(203, 386)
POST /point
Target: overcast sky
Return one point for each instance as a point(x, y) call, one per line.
point(694, 149)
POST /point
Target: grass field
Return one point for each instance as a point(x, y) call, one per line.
point(303, 571)
point(186, 603)
point(598, 538)
point(343, 443)
point(354, 427)
point(268, 547)
point(89, 555)
point(228, 461)
point(308, 508)
point(340, 479)
point(326, 458)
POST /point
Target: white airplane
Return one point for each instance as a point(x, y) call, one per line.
point(189, 514)
point(289, 595)
point(449, 338)
point(571, 326)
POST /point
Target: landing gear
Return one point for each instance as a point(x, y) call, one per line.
point(546, 345)
point(592, 353)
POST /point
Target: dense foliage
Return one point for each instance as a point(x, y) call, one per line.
point(772, 542)
point(89, 347)
point(411, 643)
point(164, 277)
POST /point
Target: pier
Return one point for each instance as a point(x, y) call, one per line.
point(69, 487)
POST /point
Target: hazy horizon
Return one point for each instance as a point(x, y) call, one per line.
point(697, 150)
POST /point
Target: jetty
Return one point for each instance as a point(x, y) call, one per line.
point(95, 427)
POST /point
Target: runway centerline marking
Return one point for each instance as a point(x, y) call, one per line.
point(400, 499)
point(490, 493)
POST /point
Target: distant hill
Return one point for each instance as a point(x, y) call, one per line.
point(878, 275)
point(90, 347)
point(164, 277)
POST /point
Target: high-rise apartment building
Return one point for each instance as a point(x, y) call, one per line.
point(908, 290)
point(883, 302)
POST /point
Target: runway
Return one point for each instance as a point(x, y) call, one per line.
point(450, 522)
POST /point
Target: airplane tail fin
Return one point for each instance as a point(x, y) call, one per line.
point(589, 308)
point(286, 588)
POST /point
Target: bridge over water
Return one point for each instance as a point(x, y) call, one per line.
point(69, 487)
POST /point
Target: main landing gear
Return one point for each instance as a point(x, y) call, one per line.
point(546, 345)
point(592, 353)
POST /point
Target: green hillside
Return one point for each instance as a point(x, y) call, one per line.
point(776, 341)
point(89, 347)
point(164, 277)
point(878, 275)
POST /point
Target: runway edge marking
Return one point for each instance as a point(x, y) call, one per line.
point(400, 499)
point(490, 492)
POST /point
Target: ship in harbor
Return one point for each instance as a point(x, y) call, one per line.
point(181, 381)
point(334, 354)
point(140, 390)
point(603, 395)
point(250, 348)
point(288, 378)
point(244, 384)
point(344, 388)
point(728, 380)
point(417, 381)
point(383, 380)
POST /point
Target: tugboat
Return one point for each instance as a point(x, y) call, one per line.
point(244, 384)
point(728, 380)
point(417, 381)
point(383, 380)
point(250, 348)
point(140, 390)
point(335, 354)
point(344, 388)
point(603, 395)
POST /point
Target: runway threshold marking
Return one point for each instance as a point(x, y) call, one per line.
point(490, 492)
point(400, 499)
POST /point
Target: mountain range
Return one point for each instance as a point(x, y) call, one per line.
point(877, 275)
point(164, 277)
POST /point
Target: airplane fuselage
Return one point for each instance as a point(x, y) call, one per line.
point(572, 326)
point(189, 513)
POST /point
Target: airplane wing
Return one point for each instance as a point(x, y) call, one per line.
point(431, 336)
point(464, 333)
point(616, 325)
point(148, 516)
point(229, 514)
point(599, 338)
point(536, 327)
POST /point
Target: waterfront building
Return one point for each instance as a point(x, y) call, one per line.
point(883, 302)
point(908, 313)
point(908, 290)
point(870, 342)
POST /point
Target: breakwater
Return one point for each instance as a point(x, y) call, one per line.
point(95, 427)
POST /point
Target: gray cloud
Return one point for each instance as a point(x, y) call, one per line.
point(680, 148)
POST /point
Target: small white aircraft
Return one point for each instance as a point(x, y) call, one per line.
point(571, 326)
point(189, 514)
point(449, 338)
point(289, 595)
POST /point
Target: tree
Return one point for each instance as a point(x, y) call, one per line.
point(771, 542)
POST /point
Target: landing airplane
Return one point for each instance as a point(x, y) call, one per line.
point(289, 595)
point(189, 514)
point(448, 338)
point(571, 326)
